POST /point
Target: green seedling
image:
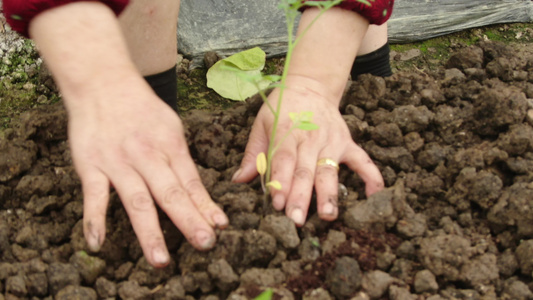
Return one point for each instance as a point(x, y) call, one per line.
point(300, 120)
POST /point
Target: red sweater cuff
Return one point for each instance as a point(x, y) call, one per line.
point(19, 13)
point(375, 11)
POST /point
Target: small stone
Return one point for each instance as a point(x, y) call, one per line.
point(425, 281)
point(309, 249)
point(210, 58)
point(507, 263)
point(16, 285)
point(173, 290)
point(283, 229)
point(132, 290)
point(400, 293)
point(262, 277)
point(105, 288)
point(361, 296)
point(376, 283)
point(37, 284)
point(317, 294)
point(516, 289)
point(529, 116)
point(334, 239)
point(124, 270)
point(259, 247)
point(76, 292)
point(6, 270)
point(453, 76)
point(410, 54)
point(61, 275)
point(411, 227)
point(344, 278)
point(90, 267)
point(524, 255)
point(223, 275)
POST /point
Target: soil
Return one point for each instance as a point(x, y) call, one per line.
point(455, 146)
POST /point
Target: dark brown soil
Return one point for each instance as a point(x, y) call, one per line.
point(455, 147)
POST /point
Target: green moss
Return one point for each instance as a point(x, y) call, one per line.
point(193, 93)
point(436, 51)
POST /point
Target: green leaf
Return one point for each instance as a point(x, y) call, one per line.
point(238, 77)
point(274, 184)
point(294, 117)
point(306, 116)
point(261, 163)
point(266, 295)
point(307, 126)
point(273, 78)
point(248, 60)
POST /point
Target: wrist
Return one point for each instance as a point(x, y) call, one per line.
point(124, 89)
point(314, 88)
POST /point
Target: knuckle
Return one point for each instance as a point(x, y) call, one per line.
point(328, 171)
point(195, 186)
point(198, 195)
point(137, 146)
point(284, 156)
point(171, 195)
point(303, 173)
point(141, 202)
point(95, 194)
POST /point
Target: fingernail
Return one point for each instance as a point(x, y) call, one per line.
point(221, 221)
point(160, 256)
point(278, 202)
point(236, 175)
point(328, 209)
point(93, 241)
point(297, 216)
point(205, 239)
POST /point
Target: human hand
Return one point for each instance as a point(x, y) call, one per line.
point(294, 164)
point(126, 137)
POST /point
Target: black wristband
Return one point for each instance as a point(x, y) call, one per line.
point(165, 85)
point(376, 63)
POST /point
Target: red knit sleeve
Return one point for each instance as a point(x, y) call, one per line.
point(375, 11)
point(19, 13)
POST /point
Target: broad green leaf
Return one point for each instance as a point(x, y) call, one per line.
point(261, 163)
point(238, 77)
point(274, 184)
point(248, 60)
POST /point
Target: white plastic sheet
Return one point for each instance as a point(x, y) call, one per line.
point(230, 26)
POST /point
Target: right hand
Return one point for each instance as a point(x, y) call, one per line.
point(125, 136)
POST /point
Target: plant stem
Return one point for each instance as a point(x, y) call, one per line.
point(290, 18)
point(291, 43)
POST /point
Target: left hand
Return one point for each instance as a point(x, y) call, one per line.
point(294, 164)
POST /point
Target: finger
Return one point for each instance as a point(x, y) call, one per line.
point(359, 161)
point(174, 199)
point(143, 215)
point(302, 184)
point(95, 187)
point(187, 173)
point(257, 143)
point(327, 186)
point(283, 166)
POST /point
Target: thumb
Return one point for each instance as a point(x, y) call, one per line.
point(257, 143)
